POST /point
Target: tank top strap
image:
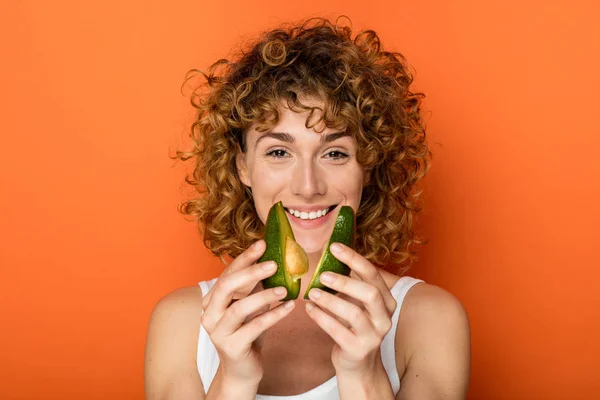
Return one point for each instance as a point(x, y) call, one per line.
point(205, 286)
point(207, 358)
point(388, 345)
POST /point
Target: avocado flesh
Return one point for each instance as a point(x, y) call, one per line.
point(296, 260)
point(292, 261)
point(343, 232)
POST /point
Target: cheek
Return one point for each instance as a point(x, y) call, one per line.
point(266, 185)
point(267, 179)
point(349, 181)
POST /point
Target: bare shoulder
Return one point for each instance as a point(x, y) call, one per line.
point(434, 333)
point(170, 359)
point(188, 298)
point(178, 311)
point(426, 306)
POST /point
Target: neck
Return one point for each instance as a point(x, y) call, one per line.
point(313, 262)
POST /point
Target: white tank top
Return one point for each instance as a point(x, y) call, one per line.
point(207, 358)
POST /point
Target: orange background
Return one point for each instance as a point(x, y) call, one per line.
point(91, 238)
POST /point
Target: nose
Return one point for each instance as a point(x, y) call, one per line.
point(308, 181)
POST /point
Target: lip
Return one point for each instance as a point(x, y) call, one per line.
point(310, 223)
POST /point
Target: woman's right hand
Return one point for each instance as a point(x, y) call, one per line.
point(237, 328)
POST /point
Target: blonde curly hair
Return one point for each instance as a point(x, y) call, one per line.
point(363, 88)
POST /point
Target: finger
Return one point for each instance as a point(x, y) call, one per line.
point(251, 330)
point(247, 258)
point(365, 271)
point(334, 328)
point(359, 320)
point(238, 294)
point(367, 294)
point(227, 285)
point(241, 310)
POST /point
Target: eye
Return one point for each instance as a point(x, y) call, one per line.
point(276, 153)
point(337, 155)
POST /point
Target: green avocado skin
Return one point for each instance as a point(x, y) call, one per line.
point(277, 230)
point(343, 232)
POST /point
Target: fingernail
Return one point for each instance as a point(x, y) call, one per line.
point(327, 277)
point(269, 265)
point(279, 291)
point(336, 248)
point(309, 306)
point(257, 244)
point(288, 304)
point(315, 293)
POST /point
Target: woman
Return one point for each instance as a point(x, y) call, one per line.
point(316, 119)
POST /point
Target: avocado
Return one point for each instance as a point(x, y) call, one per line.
point(291, 259)
point(343, 232)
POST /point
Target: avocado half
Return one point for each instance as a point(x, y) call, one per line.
point(343, 232)
point(291, 259)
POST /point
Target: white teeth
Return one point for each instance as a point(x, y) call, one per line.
point(308, 215)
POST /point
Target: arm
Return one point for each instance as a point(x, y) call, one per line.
point(372, 385)
point(170, 360)
point(170, 370)
point(436, 337)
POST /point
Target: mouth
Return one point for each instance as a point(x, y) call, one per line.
point(312, 215)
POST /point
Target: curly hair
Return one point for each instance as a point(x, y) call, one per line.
point(363, 88)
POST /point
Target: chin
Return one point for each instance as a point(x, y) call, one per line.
point(310, 245)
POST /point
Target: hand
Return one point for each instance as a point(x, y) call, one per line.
point(237, 328)
point(357, 329)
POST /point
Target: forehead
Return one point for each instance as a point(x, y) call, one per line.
point(297, 121)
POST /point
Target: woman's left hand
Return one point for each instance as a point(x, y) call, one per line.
point(357, 343)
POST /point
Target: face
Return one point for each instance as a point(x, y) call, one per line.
point(309, 172)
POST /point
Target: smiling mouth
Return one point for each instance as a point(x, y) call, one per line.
point(310, 215)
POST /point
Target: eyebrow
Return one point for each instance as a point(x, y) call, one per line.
point(286, 137)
